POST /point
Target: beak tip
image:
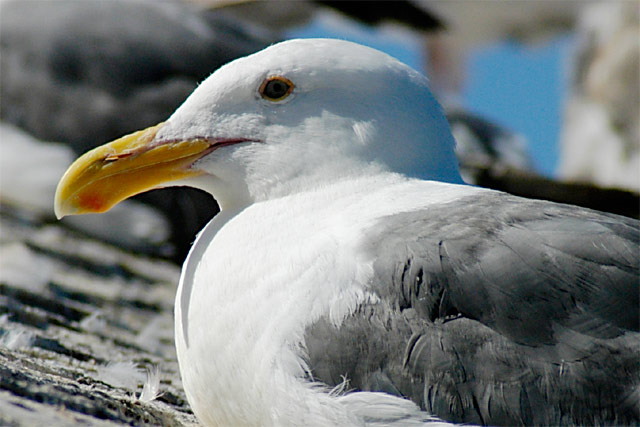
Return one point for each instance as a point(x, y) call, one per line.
point(58, 201)
point(59, 211)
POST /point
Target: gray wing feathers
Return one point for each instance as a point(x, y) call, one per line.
point(497, 310)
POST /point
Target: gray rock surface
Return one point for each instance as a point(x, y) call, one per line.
point(83, 325)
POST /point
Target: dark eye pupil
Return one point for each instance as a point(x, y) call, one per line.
point(276, 89)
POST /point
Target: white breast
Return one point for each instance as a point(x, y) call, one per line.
point(256, 279)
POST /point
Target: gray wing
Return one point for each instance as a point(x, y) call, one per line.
point(497, 310)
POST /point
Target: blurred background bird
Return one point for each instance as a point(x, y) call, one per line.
point(536, 92)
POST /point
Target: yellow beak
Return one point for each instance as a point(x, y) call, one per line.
point(111, 173)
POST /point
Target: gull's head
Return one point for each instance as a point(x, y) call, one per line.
point(297, 114)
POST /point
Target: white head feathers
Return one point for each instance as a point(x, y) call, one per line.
point(352, 109)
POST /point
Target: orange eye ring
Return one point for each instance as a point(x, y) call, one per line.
point(276, 88)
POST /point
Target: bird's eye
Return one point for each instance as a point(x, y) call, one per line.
point(276, 88)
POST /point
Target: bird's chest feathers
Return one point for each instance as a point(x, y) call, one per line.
point(264, 276)
point(256, 279)
point(277, 266)
point(271, 271)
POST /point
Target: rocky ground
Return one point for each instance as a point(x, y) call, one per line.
point(86, 330)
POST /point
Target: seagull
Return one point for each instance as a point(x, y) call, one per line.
point(352, 277)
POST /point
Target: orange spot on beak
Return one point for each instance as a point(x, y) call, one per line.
point(91, 202)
